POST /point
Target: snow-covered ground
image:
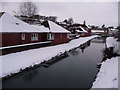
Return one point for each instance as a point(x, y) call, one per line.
point(108, 74)
point(112, 42)
point(12, 63)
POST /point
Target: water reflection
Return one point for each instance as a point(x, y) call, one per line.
point(30, 76)
point(83, 46)
point(74, 52)
point(70, 72)
point(99, 39)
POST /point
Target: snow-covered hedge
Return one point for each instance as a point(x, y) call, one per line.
point(112, 42)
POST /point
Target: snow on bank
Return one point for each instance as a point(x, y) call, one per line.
point(112, 42)
point(108, 74)
point(12, 63)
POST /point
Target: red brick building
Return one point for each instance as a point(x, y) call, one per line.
point(55, 33)
point(16, 34)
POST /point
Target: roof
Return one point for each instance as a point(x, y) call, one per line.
point(83, 29)
point(53, 27)
point(41, 28)
point(10, 23)
point(96, 31)
point(56, 28)
point(80, 31)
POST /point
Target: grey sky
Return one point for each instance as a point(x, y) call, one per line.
point(119, 13)
point(95, 13)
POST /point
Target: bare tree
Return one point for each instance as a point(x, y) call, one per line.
point(28, 9)
point(70, 21)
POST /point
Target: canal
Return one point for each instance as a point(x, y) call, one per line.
point(78, 70)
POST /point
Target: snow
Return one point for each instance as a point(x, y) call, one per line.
point(41, 28)
point(96, 31)
point(108, 74)
point(24, 45)
point(13, 62)
point(83, 29)
point(78, 31)
point(10, 23)
point(112, 42)
point(56, 28)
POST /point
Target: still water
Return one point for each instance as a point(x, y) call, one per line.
point(76, 71)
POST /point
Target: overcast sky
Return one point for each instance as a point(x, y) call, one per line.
point(95, 13)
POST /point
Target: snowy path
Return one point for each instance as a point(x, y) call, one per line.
point(12, 63)
point(108, 74)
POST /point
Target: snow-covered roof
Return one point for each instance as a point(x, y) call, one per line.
point(112, 29)
point(88, 26)
point(10, 23)
point(79, 31)
point(41, 28)
point(83, 29)
point(56, 28)
point(97, 31)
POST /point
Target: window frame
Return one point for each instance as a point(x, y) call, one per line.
point(68, 35)
point(50, 36)
point(34, 37)
point(23, 36)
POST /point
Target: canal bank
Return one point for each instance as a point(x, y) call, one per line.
point(77, 70)
point(107, 76)
point(16, 62)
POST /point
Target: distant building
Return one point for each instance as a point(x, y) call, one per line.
point(80, 29)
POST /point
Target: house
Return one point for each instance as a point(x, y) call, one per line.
point(97, 32)
point(81, 32)
point(100, 32)
point(19, 35)
point(56, 34)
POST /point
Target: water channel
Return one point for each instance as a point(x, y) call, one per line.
point(78, 70)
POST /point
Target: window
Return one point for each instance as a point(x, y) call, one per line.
point(67, 35)
point(50, 36)
point(61, 35)
point(34, 37)
point(23, 36)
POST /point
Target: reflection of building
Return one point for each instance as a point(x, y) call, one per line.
point(83, 46)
